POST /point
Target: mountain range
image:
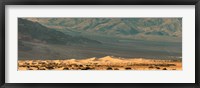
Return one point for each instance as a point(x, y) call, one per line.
point(79, 38)
point(131, 28)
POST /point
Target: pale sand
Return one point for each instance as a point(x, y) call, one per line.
point(105, 63)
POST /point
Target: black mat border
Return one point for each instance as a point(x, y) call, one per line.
point(3, 3)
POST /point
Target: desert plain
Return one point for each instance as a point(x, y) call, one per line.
point(104, 63)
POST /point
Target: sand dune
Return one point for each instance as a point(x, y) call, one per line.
point(104, 63)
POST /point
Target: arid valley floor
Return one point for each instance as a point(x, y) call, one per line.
point(104, 63)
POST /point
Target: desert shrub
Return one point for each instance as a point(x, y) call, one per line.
point(109, 68)
point(128, 68)
point(164, 68)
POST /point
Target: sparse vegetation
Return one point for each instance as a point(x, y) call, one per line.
point(105, 63)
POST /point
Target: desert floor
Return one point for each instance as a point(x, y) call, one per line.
point(104, 63)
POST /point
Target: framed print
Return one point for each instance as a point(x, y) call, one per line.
point(87, 43)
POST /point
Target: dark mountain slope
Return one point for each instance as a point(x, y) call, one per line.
point(30, 31)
